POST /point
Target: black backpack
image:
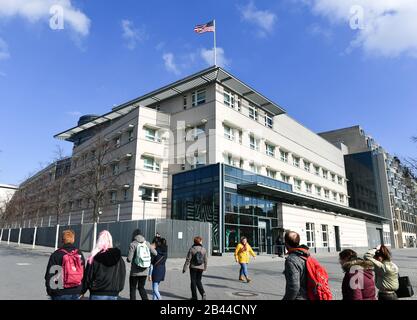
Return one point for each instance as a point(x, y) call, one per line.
point(198, 259)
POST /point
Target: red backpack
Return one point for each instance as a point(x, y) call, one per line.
point(317, 280)
point(72, 269)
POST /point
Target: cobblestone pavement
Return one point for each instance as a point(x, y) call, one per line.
point(22, 272)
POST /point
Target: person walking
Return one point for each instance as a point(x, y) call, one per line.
point(358, 282)
point(158, 267)
point(280, 248)
point(386, 272)
point(242, 252)
point(65, 270)
point(105, 273)
point(295, 268)
point(197, 262)
point(157, 237)
point(140, 256)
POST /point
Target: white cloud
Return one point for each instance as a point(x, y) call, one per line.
point(4, 50)
point(263, 19)
point(389, 26)
point(39, 10)
point(170, 64)
point(208, 57)
point(132, 35)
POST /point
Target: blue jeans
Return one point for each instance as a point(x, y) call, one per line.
point(243, 270)
point(155, 288)
point(93, 297)
point(66, 297)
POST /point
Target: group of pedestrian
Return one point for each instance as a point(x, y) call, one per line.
point(69, 276)
point(362, 276)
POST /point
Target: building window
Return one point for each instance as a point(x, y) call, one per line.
point(342, 198)
point(254, 168)
point(285, 178)
point(325, 174)
point(150, 163)
point(318, 191)
point(270, 150)
point(327, 194)
point(130, 135)
point(116, 142)
point(79, 203)
point(339, 180)
point(253, 113)
point(308, 187)
point(199, 97)
point(229, 99)
point(239, 104)
point(284, 156)
point(334, 196)
point(271, 173)
point(297, 184)
point(149, 194)
point(317, 170)
point(240, 136)
point(198, 160)
point(151, 135)
point(113, 197)
point(126, 194)
point(269, 122)
point(307, 166)
point(229, 133)
point(333, 177)
point(184, 101)
point(310, 233)
point(296, 162)
point(254, 145)
point(325, 235)
point(115, 169)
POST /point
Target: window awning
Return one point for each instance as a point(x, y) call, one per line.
point(207, 76)
point(299, 199)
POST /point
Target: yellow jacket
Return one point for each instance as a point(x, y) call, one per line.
point(243, 256)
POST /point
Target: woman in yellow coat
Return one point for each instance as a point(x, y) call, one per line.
point(242, 252)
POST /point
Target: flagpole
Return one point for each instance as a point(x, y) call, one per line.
point(215, 52)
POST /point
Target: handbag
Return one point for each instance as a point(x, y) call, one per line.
point(405, 289)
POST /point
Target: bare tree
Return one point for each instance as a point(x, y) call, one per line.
point(411, 162)
point(58, 189)
point(98, 174)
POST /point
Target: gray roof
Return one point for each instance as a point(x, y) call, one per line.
point(207, 76)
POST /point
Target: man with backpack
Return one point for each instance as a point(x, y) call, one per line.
point(197, 260)
point(65, 270)
point(140, 256)
point(305, 278)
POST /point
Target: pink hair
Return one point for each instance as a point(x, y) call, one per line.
point(104, 243)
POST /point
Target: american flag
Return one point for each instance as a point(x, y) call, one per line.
point(207, 27)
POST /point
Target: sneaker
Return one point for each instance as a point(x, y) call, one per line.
point(241, 278)
point(248, 280)
point(204, 297)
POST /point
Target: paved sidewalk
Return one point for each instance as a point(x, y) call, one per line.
point(22, 272)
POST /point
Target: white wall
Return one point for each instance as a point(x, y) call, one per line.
point(353, 233)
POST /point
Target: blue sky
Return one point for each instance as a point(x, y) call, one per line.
point(306, 55)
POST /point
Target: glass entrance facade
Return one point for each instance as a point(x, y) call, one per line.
point(199, 194)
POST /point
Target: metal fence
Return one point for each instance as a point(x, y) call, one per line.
point(178, 233)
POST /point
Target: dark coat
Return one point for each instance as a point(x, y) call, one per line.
point(296, 275)
point(55, 262)
point(355, 271)
point(106, 275)
point(158, 263)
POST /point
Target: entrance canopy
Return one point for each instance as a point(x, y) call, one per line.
point(302, 200)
